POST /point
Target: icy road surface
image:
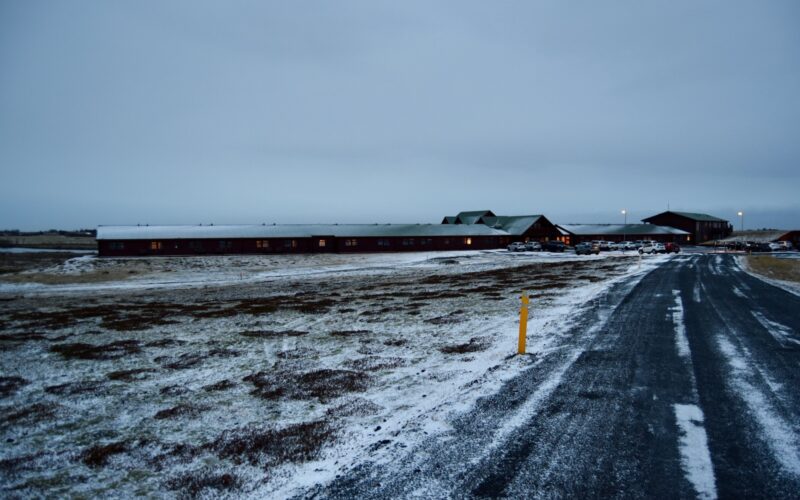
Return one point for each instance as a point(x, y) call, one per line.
point(681, 385)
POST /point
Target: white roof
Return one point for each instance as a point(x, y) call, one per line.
point(291, 231)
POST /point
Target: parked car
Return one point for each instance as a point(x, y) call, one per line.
point(775, 247)
point(587, 249)
point(648, 247)
point(554, 246)
point(761, 247)
point(533, 246)
point(517, 246)
point(672, 248)
point(628, 245)
point(660, 248)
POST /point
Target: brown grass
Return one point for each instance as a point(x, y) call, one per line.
point(80, 350)
point(97, 456)
point(267, 334)
point(474, 345)
point(200, 482)
point(222, 385)
point(321, 384)
point(180, 411)
point(30, 414)
point(269, 447)
point(73, 388)
point(10, 385)
point(129, 375)
point(771, 267)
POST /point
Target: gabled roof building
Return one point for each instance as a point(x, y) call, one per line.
point(573, 234)
point(701, 227)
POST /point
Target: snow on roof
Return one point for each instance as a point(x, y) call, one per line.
point(291, 231)
point(619, 229)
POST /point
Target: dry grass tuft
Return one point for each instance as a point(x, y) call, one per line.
point(97, 456)
point(269, 334)
point(474, 345)
point(198, 483)
point(222, 385)
point(81, 350)
point(129, 375)
point(74, 388)
point(181, 410)
point(30, 415)
point(10, 385)
point(321, 384)
point(270, 447)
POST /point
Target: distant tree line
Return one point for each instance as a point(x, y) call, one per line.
point(76, 233)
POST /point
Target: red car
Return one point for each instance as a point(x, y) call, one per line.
point(672, 247)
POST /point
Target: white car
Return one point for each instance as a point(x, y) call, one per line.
point(517, 246)
point(776, 247)
point(660, 248)
point(648, 247)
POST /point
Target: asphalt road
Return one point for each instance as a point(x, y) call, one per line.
point(684, 384)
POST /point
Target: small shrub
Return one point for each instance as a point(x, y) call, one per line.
point(293, 444)
point(179, 411)
point(222, 385)
point(129, 375)
point(73, 388)
point(474, 345)
point(195, 483)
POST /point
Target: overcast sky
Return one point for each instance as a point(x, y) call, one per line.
point(170, 112)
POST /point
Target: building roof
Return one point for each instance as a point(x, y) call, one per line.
point(620, 230)
point(473, 217)
point(691, 215)
point(512, 224)
point(291, 231)
point(450, 219)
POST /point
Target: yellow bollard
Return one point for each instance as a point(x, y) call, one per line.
point(523, 323)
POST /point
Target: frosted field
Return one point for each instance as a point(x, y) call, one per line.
point(254, 376)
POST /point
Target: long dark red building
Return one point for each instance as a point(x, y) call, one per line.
point(293, 238)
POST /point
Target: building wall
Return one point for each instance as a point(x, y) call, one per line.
point(317, 244)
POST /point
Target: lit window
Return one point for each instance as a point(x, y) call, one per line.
point(155, 245)
point(350, 243)
point(468, 241)
point(263, 244)
point(322, 243)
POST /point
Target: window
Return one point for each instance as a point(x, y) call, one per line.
point(322, 243)
point(262, 244)
point(447, 241)
point(468, 241)
point(116, 245)
point(383, 243)
point(408, 242)
point(351, 243)
point(290, 244)
point(224, 244)
point(155, 245)
point(197, 246)
point(426, 241)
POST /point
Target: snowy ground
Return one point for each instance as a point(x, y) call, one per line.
point(261, 376)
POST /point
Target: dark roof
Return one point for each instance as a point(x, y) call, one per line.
point(512, 224)
point(449, 219)
point(473, 217)
point(690, 215)
point(292, 231)
point(619, 229)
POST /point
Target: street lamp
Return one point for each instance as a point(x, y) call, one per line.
point(741, 218)
point(625, 226)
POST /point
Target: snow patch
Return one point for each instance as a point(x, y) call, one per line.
point(778, 433)
point(695, 455)
point(681, 341)
point(782, 333)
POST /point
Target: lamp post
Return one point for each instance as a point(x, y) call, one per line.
point(625, 226)
point(741, 219)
